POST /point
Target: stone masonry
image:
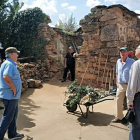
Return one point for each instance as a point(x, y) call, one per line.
point(105, 30)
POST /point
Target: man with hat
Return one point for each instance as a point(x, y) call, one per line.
point(69, 64)
point(10, 91)
point(123, 66)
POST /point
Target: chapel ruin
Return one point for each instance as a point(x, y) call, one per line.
point(105, 30)
point(102, 33)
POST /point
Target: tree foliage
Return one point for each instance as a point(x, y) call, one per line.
point(14, 8)
point(68, 24)
point(20, 29)
point(8, 11)
point(24, 31)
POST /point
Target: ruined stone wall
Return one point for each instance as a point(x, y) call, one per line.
point(50, 53)
point(53, 54)
point(59, 42)
point(65, 40)
point(105, 30)
point(48, 66)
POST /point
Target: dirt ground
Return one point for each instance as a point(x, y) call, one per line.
point(42, 116)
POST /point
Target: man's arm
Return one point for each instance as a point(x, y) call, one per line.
point(116, 72)
point(9, 82)
point(116, 78)
point(132, 84)
point(65, 62)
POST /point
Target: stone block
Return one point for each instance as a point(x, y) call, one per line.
point(109, 33)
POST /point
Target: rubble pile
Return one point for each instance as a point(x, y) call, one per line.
point(34, 73)
point(105, 30)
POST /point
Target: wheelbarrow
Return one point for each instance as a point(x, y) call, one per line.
point(87, 104)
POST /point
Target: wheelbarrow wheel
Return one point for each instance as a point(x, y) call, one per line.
point(72, 108)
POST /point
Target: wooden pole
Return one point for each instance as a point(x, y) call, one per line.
point(98, 69)
point(106, 78)
point(25, 58)
point(102, 85)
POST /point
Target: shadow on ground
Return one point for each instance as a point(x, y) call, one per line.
point(57, 82)
point(95, 118)
point(27, 138)
point(26, 108)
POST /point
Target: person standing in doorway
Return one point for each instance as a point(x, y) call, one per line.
point(69, 64)
point(123, 66)
point(10, 91)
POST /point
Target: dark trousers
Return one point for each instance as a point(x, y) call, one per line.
point(8, 121)
point(72, 72)
point(136, 123)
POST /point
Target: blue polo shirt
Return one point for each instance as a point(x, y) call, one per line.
point(9, 68)
point(123, 70)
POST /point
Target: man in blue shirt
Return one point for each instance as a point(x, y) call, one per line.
point(10, 91)
point(123, 66)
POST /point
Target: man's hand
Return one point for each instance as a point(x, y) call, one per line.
point(130, 106)
point(14, 90)
point(75, 55)
point(9, 82)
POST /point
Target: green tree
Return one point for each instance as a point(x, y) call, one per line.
point(14, 8)
point(3, 19)
point(68, 24)
point(3, 10)
point(23, 32)
point(8, 11)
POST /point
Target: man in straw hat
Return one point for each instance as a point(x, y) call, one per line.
point(123, 66)
point(10, 91)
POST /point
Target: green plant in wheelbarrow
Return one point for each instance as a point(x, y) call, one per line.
point(80, 95)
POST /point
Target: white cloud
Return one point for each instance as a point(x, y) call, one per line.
point(137, 11)
point(93, 3)
point(24, 7)
point(25, 1)
point(62, 17)
point(128, 3)
point(64, 4)
point(132, 3)
point(112, 1)
point(48, 7)
point(71, 8)
point(51, 25)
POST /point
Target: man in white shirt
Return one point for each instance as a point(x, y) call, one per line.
point(133, 94)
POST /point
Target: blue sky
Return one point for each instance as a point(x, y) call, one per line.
point(60, 9)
